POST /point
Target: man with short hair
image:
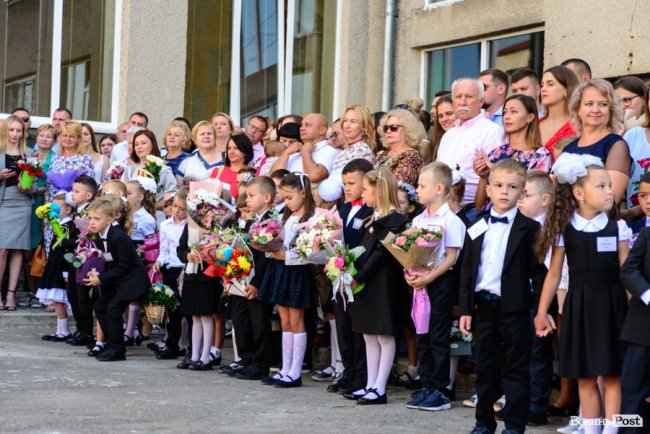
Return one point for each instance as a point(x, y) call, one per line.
point(255, 130)
point(120, 134)
point(336, 138)
point(472, 131)
point(581, 69)
point(121, 149)
point(526, 82)
point(59, 116)
point(313, 156)
point(432, 111)
point(24, 115)
point(495, 91)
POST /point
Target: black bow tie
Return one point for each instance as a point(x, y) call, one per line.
point(494, 219)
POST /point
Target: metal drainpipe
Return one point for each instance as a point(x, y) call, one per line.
point(390, 12)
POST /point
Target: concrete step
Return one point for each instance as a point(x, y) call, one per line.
point(27, 317)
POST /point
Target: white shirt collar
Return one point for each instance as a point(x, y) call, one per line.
point(540, 218)
point(105, 234)
point(509, 214)
point(319, 145)
point(647, 221)
point(580, 223)
point(444, 209)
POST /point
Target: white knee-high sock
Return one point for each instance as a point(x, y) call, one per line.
point(453, 368)
point(299, 346)
point(591, 426)
point(208, 337)
point(609, 427)
point(183, 342)
point(132, 322)
point(387, 354)
point(287, 352)
point(62, 327)
point(373, 353)
point(197, 338)
point(234, 345)
point(335, 359)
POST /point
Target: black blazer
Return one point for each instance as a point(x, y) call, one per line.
point(635, 276)
point(125, 272)
point(351, 235)
point(520, 267)
point(261, 261)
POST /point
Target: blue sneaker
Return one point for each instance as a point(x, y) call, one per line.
point(435, 401)
point(419, 397)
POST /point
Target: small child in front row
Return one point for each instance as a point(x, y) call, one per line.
point(434, 183)
point(123, 281)
point(497, 271)
point(596, 303)
point(635, 276)
point(289, 283)
point(52, 286)
point(171, 267)
point(373, 309)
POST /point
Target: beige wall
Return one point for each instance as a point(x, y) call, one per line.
point(152, 68)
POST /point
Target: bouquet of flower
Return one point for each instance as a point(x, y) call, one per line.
point(150, 249)
point(415, 248)
point(212, 246)
point(322, 229)
point(267, 235)
point(460, 344)
point(116, 170)
point(157, 301)
point(340, 270)
point(62, 181)
point(208, 210)
point(154, 165)
point(50, 212)
point(31, 168)
point(86, 258)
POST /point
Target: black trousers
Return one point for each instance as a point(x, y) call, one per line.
point(351, 345)
point(541, 369)
point(174, 327)
point(81, 303)
point(635, 385)
point(502, 339)
point(251, 320)
point(109, 308)
point(433, 347)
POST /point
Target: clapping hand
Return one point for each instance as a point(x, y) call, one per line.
point(481, 163)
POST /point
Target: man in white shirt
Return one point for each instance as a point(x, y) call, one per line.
point(313, 156)
point(121, 150)
point(472, 131)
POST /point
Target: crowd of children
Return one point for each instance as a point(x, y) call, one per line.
point(500, 273)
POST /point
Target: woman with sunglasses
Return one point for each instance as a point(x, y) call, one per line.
point(634, 96)
point(401, 132)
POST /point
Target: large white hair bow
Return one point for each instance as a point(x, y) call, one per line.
point(569, 167)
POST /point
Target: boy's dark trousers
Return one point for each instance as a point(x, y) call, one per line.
point(109, 308)
point(541, 369)
point(251, 320)
point(174, 327)
point(351, 345)
point(635, 385)
point(433, 347)
point(81, 304)
point(502, 339)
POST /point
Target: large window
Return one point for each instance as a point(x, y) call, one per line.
point(60, 53)
point(510, 53)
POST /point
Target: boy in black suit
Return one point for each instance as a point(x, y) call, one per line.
point(83, 192)
point(251, 318)
point(635, 276)
point(353, 213)
point(498, 268)
point(123, 281)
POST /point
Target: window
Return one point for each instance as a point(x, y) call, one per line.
point(61, 53)
point(444, 65)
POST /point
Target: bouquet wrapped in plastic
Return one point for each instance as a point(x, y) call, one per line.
point(154, 165)
point(321, 230)
point(415, 248)
point(50, 212)
point(267, 235)
point(62, 181)
point(340, 270)
point(116, 170)
point(150, 249)
point(31, 168)
point(233, 263)
point(86, 258)
point(206, 208)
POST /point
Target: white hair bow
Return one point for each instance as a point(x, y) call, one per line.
point(456, 177)
point(569, 167)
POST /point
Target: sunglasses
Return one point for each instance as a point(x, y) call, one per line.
point(25, 119)
point(392, 127)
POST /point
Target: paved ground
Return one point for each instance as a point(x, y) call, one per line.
point(52, 387)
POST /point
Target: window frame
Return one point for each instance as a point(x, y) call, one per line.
point(484, 50)
point(55, 92)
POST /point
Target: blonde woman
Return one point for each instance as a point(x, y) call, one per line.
point(199, 166)
point(91, 148)
point(177, 141)
point(223, 129)
point(401, 133)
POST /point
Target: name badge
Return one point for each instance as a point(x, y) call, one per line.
point(477, 229)
point(606, 244)
point(357, 223)
point(242, 224)
point(108, 257)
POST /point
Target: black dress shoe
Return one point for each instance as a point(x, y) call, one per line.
point(343, 383)
point(96, 350)
point(58, 338)
point(49, 337)
point(128, 341)
point(199, 366)
point(167, 354)
point(214, 361)
point(288, 384)
point(138, 339)
point(153, 346)
point(352, 397)
point(75, 335)
point(111, 356)
point(270, 380)
point(352, 387)
point(252, 372)
point(383, 399)
point(185, 364)
point(81, 341)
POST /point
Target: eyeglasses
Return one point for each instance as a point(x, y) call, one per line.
point(629, 99)
point(392, 127)
point(254, 129)
point(25, 119)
